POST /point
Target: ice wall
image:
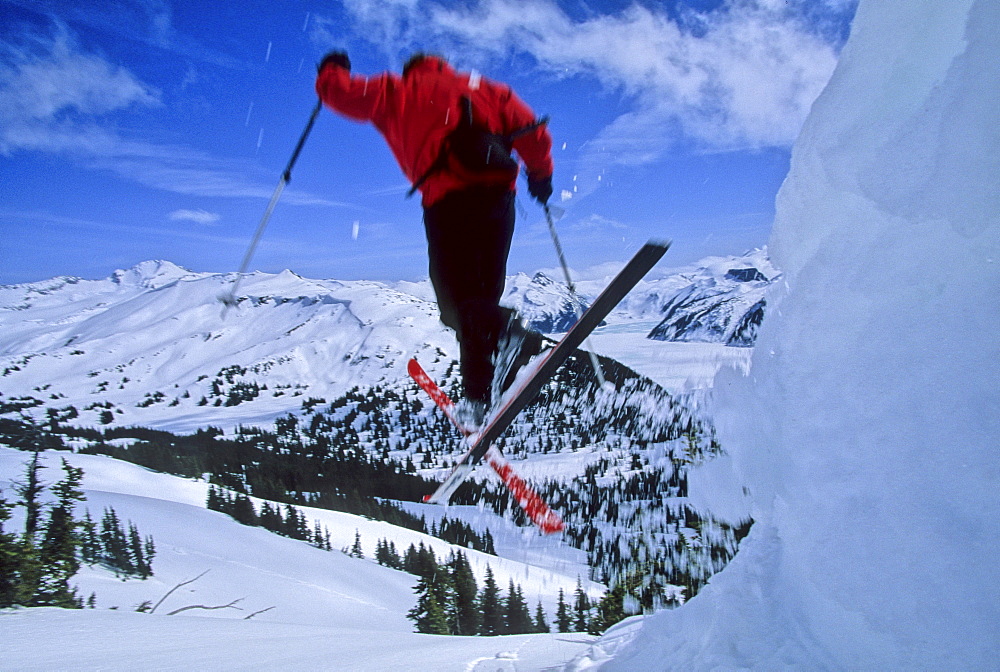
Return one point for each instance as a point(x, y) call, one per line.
point(868, 430)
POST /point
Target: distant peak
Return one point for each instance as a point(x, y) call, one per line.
point(151, 273)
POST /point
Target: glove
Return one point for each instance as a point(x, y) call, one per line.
point(540, 188)
point(337, 57)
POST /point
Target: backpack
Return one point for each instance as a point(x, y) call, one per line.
point(477, 149)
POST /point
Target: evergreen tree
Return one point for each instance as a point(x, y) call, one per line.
point(141, 552)
point(517, 619)
point(386, 554)
point(8, 558)
point(114, 544)
point(467, 616)
point(149, 550)
point(541, 625)
point(29, 572)
point(428, 616)
point(242, 510)
point(434, 612)
point(410, 560)
point(30, 490)
point(300, 527)
point(125, 553)
point(270, 517)
point(90, 546)
point(612, 607)
point(490, 607)
point(289, 521)
point(356, 548)
point(563, 619)
point(426, 564)
point(444, 591)
point(60, 541)
point(25, 565)
point(581, 608)
point(214, 502)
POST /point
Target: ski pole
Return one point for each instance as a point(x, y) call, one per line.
point(286, 176)
point(572, 292)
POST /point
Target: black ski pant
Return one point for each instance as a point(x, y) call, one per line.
point(468, 242)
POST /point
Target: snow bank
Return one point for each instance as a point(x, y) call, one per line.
point(867, 429)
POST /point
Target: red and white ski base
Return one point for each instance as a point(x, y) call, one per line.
point(547, 520)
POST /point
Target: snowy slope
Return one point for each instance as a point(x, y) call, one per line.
point(128, 641)
point(315, 597)
point(866, 432)
point(191, 538)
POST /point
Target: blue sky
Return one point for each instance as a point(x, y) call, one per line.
point(150, 129)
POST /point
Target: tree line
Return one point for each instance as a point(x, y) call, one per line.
point(290, 522)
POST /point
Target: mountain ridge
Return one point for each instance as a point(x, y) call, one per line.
point(152, 345)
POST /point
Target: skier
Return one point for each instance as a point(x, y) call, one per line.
point(452, 134)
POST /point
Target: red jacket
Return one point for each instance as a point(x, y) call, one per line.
point(416, 112)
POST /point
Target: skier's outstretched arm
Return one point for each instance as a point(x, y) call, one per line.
point(356, 97)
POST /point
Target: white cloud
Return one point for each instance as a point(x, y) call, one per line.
point(197, 216)
point(47, 80)
point(55, 98)
point(743, 76)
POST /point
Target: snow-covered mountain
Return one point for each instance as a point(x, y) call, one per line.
point(723, 303)
point(545, 303)
point(717, 300)
point(156, 335)
point(153, 346)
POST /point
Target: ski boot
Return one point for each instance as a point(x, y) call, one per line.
point(470, 414)
point(516, 347)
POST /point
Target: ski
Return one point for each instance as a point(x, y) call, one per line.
point(527, 387)
point(547, 520)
